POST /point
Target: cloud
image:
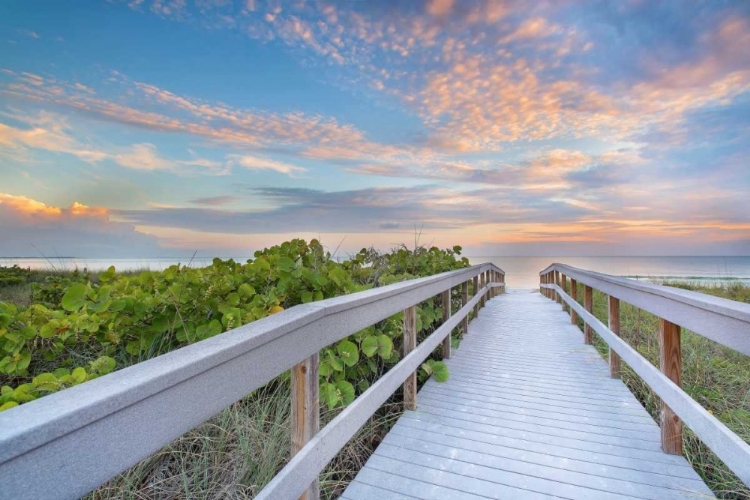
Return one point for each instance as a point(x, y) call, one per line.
point(29, 227)
point(51, 132)
point(215, 201)
point(257, 163)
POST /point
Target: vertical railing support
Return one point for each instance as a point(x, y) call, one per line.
point(614, 325)
point(502, 280)
point(588, 303)
point(558, 297)
point(542, 281)
point(474, 293)
point(482, 283)
point(563, 285)
point(574, 296)
point(464, 301)
point(670, 362)
point(410, 343)
point(305, 412)
point(446, 317)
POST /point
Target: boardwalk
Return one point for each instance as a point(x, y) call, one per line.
point(529, 412)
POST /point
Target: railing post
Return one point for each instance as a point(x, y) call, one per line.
point(543, 281)
point(614, 325)
point(493, 279)
point(558, 297)
point(550, 280)
point(574, 296)
point(410, 343)
point(305, 412)
point(464, 301)
point(563, 284)
point(670, 362)
point(476, 287)
point(482, 284)
point(502, 280)
point(446, 317)
point(588, 302)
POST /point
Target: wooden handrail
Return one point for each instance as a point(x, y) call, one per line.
point(675, 308)
point(68, 443)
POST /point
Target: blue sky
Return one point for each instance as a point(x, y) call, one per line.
point(164, 127)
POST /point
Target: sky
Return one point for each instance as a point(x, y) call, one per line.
point(158, 128)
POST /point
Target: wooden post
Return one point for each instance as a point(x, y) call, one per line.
point(670, 362)
point(563, 285)
point(614, 325)
point(474, 293)
point(502, 280)
point(487, 281)
point(558, 298)
point(574, 296)
point(493, 279)
point(305, 412)
point(446, 317)
point(410, 343)
point(543, 281)
point(464, 301)
point(588, 302)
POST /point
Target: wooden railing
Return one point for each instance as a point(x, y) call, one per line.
point(721, 320)
point(68, 443)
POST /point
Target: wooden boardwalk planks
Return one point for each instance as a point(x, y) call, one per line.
point(530, 411)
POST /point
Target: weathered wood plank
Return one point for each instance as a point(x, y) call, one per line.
point(446, 299)
point(305, 412)
point(614, 325)
point(588, 300)
point(670, 362)
point(410, 343)
point(464, 301)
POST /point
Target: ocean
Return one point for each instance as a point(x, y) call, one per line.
point(521, 272)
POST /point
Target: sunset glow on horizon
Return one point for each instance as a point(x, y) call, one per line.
point(148, 128)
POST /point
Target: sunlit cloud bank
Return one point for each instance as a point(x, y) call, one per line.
point(504, 126)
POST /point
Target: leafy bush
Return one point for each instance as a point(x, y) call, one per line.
point(82, 326)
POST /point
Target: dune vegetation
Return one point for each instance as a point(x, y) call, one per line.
point(61, 329)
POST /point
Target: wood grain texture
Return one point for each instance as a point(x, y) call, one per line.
point(464, 301)
point(563, 285)
point(446, 299)
point(558, 299)
point(410, 343)
point(588, 303)
point(475, 282)
point(574, 296)
point(614, 325)
point(670, 362)
point(305, 412)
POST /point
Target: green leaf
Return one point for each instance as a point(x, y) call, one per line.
point(307, 297)
point(370, 346)
point(439, 370)
point(346, 390)
point(5, 320)
point(8, 405)
point(103, 365)
point(74, 297)
point(348, 352)
point(79, 375)
point(246, 290)
point(329, 395)
point(385, 346)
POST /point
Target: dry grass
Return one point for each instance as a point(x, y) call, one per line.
point(237, 452)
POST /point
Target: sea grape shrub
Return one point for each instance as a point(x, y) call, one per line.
point(85, 326)
point(13, 275)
